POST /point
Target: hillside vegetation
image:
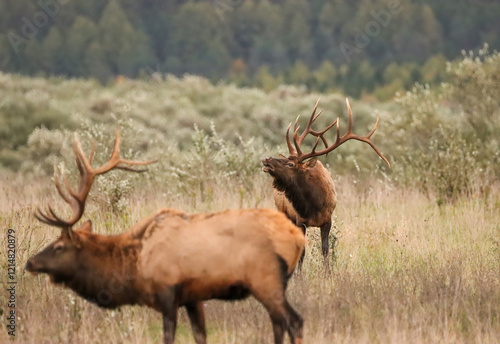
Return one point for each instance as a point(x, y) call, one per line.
point(442, 140)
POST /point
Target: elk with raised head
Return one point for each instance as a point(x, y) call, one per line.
point(303, 187)
point(171, 259)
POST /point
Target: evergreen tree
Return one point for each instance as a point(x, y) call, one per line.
point(325, 77)
point(53, 55)
point(81, 35)
point(123, 48)
point(197, 42)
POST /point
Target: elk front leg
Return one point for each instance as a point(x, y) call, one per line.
point(303, 227)
point(325, 233)
point(197, 319)
point(168, 306)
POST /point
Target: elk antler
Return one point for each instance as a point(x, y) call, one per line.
point(87, 174)
point(297, 139)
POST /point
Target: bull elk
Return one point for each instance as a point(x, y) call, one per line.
point(171, 259)
point(302, 187)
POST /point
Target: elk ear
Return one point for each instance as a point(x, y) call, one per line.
point(282, 156)
point(311, 163)
point(86, 227)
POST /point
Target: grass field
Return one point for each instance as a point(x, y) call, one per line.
point(406, 271)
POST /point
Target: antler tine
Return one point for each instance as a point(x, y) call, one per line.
point(297, 139)
point(311, 121)
point(49, 217)
point(115, 156)
point(321, 132)
point(349, 122)
point(115, 160)
point(80, 155)
point(373, 130)
point(338, 131)
point(296, 143)
point(288, 143)
point(366, 140)
point(296, 125)
point(92, 152)
point(87, 174)
point(41, 216)
point(316, 143)
point(312, 118)
point(59, 187)
point(341, 139)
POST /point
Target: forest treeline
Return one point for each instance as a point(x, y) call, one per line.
point(356, 46)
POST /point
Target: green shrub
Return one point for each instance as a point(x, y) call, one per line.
point(213, 162)
point(445, 140)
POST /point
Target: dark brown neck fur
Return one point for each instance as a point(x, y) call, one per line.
point(306, 198)
point(106, 273)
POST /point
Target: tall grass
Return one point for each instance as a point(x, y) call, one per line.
point(407, 270)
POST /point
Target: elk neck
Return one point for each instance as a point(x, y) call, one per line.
point(308, 190)
point(106, 271)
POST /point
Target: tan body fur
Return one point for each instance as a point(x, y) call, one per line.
point(207, 253)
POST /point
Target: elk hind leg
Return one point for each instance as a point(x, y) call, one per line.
point(295, 324)
point(270, 291)
point(197, 319)
point(284, 318)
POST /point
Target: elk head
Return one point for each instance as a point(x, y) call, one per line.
point(61, 258)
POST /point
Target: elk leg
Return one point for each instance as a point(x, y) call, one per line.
point(325, 232)
point(279, 325)
point(168, 307)
point(295, 324)
point(197, 319)
point(272, 296)
point(301, 259)
point(278, 317)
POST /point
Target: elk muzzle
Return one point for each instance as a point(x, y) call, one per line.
point(267, 164)
point(31, 266)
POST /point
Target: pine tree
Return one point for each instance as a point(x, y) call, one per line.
point(79, 38)
point(197, 42)
point(121, 44)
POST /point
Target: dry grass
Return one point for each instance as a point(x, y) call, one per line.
point(406, 271)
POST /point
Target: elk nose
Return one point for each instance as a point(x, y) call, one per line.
point(29, 266)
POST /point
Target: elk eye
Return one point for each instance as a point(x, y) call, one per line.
point(290, 164)
point(58, 248)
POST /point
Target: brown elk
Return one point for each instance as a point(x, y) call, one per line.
point(303, 187)
point(171, 259)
